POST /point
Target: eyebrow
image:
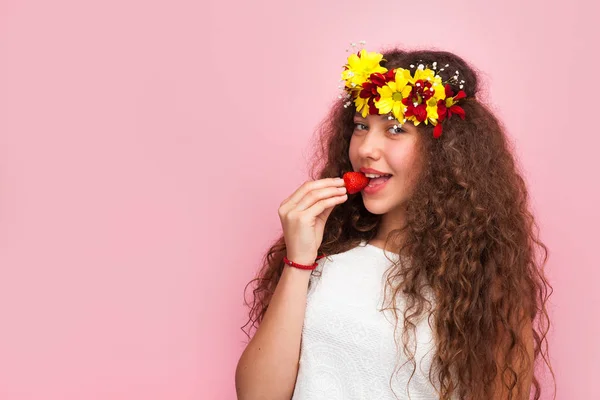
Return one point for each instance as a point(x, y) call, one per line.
point(404, 125)
point(357, 115)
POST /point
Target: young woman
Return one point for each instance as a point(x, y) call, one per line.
point(431, 285)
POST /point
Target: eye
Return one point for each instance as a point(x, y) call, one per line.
point(397, 129)
point(357, 125)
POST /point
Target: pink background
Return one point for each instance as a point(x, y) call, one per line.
point(145, 147)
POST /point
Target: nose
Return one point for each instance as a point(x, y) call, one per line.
point(371, 144)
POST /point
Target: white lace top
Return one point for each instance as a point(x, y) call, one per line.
point(348, 350)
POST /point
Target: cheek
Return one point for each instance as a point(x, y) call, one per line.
point(412, 167)
point(353, 152)
point(403, 159)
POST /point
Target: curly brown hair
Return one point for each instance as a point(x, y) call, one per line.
point(469, 235)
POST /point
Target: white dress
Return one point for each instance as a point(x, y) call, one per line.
point(348, 350)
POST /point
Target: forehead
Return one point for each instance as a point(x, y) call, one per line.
point(382, 117)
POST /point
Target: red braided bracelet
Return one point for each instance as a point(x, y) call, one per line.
point(301, 266)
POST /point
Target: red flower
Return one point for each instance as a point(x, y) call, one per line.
point(450, 93)
point(419, 111)
point(381, 79)
point(460, 95)
point(424, 89)
point(376, 80)
point(372, 109)
point(446, 112)
point(458, 110)
point(368, 90)
point(441, 109)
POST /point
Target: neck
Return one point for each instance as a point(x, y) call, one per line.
point(395, 219)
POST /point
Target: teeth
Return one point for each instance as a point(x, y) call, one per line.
point(374, 175)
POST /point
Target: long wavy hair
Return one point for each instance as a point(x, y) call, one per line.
point(469, 236)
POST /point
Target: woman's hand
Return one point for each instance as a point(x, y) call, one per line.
point(303, 216)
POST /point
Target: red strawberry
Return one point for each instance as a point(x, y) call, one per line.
point(355, 181)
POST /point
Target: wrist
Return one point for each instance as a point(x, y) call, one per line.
point(301, 258)
point(302, 262)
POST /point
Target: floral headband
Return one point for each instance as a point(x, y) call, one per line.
point(418, 97)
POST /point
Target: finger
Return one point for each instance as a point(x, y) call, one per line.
point(308, 186)
point(325, 214)
point(317, 195)
point(320, 206)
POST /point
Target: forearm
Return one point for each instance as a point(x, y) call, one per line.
point(268, 366)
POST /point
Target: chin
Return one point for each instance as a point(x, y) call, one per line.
point(380, 206)
point(377, 207)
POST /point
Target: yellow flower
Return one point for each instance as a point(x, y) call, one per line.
point(432, 111)
point(424, 74)
point(392, 93)
point(362, 106)
point(439, 93)
point(359, 68)
point(438, 86)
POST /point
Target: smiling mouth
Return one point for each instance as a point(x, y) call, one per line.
point(375, 176)
point(379, 181)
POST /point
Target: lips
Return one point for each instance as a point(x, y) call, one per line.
point(379, 181)
point(373, 171)
point(376, 184)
